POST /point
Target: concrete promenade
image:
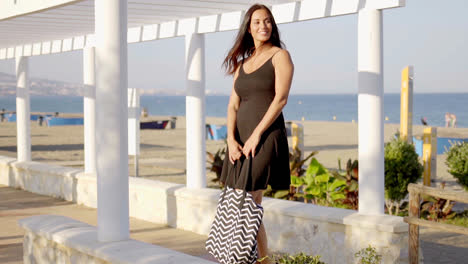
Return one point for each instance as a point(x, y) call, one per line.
point(17, 204)
point(438, 247)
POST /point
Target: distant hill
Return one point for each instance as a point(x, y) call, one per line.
point(39, 86)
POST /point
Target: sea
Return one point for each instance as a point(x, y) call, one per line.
point(320, 107)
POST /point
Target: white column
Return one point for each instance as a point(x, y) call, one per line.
point(23, 116)
point(89, 110)
point(195, 110)
point(111, 119)
point(370, 112)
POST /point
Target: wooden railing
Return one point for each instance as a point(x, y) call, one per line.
point(415, 192)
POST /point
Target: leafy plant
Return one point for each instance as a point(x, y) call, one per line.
point(296, 163)
point(278, 194)
point(461, 219)
point(297, 187)
point(350, 175)
point(368, 255)
point(436, 208)
point(402, 167)
point(299, 258)
point(457, 162)
point(216, 160)
point(321, 187)
point(296, 167)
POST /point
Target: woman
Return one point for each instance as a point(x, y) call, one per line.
point(263, 73)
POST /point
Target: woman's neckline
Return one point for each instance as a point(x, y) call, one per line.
point(261, 66)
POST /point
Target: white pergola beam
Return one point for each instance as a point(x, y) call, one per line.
point(218, 6)
point(12, 9)
point(43, 48)
point(168, 29)
point(147, 24)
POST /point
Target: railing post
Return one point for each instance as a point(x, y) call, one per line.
point(429, 154)
point(414, 222)
point(406, 104)
point(414, 229)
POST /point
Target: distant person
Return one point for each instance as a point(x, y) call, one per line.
point(453, 117)
point(144, 112)
point(56, 114)
point(447, 119)
point(450, 120)
point(424, 121)
point(2, 115)
point(40, 120)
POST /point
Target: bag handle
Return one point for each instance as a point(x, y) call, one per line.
point(236, 171)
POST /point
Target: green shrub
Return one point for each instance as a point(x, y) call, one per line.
point(402, 167)
point(299, 258)
point(350, 175)
point(297, 170)
point(461, 219)
point(319, 186)
point(457, 162)
point(368, 256)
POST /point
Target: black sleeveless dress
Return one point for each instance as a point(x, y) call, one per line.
point(270, 166)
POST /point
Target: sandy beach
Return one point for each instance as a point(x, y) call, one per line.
point(163, 151)
point(163, 158)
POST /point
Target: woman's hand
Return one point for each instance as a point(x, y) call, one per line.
point(251, 144)
point(235, 150)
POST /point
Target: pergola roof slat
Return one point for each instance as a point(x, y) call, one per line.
point(37, 21)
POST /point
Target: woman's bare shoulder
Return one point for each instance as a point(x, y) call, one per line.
point(281, 56)
point(281, 53)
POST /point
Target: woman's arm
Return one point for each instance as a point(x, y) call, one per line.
point(235, 149)
point(284, 70)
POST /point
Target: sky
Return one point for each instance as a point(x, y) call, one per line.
point(431, 35)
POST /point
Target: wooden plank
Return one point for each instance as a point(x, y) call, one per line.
point(438, 192)
point(413, 244)
point(436, 225)
point(414, 202)
point(413, 229)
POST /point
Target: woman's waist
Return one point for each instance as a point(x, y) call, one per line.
point(247, 124)
point(255, 103)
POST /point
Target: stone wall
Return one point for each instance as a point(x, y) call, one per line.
point(335, 234)
point(58, 239)
point(38, 249)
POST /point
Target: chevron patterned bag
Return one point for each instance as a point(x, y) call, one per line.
point(233, 234)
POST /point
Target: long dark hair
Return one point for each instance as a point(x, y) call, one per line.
point(244, 44)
